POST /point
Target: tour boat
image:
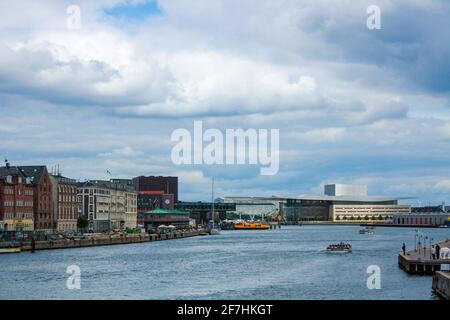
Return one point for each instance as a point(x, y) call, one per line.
point(251, 226)
point(339, 248)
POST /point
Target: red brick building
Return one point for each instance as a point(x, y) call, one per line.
point(16, 200)
point(43, 212)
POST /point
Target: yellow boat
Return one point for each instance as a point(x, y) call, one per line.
point(251, 226)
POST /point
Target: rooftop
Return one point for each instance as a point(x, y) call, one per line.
point(324, 198)
point(166, 211)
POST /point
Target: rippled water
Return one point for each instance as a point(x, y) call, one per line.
point(287, 263)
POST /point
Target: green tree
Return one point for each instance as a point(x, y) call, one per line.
point(82, 223)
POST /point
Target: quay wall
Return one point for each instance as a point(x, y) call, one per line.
point(105, 241)
point(441, 284)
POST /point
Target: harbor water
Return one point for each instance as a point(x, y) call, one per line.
point(286, 263)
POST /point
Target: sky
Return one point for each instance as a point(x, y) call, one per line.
point(352, 105)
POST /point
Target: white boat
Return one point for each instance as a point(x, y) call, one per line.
point(214, 231)
point(10, 250)
point(366, 231)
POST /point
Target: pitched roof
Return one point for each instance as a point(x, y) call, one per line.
point(34, 172)
point(9, 171)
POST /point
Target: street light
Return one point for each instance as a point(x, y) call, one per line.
point(431, 241)
point(415, 241)
point(425, 246)
point(419, 243)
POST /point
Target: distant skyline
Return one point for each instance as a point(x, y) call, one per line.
point(353, 105)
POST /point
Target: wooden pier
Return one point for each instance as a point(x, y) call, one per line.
point(420, 261)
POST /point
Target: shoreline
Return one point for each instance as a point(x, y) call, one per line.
point(103, 241)
point(387, 225)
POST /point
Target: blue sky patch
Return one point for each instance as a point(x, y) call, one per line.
point(135, 11)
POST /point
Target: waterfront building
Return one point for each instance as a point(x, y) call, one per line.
point(339, 189)
point(42, 196)
point(168, 185)
point(253, 208)
point(107, 205)
point(430, 209)
point(340, 203)
point(123, 204)
point(155, 218)
point(65, 205)
point(94, 204)
point(16, 200)
point(155, 193)
point(201, 211)
point(421, 219)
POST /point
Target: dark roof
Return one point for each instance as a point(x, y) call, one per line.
point(94, 183)
point(9, 171)
point(63, 179)
point(106, 184)
point(34, 172)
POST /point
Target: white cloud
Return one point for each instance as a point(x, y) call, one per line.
point(350, 104)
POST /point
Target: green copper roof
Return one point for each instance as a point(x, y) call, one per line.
point(165, 211)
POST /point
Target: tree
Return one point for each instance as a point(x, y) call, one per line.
point(82, 223)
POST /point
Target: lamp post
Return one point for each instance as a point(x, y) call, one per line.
point(431, 241)
point(425, 246)
point(415, 241)
point(419, 243)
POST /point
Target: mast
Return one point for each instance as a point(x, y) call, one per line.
point(212, 202)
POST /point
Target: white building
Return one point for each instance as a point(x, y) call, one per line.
point(107, 205)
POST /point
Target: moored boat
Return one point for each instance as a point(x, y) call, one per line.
point(10, 250)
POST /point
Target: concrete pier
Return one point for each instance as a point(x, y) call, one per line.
point(105, 241)
point(420, 261)
point(441, 284)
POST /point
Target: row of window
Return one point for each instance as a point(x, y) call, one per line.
point(10, 191)
point(420, 221)
point(65, 198)
point(19, 203)
point(9, 179)
point(19, 215)
point(67, 189)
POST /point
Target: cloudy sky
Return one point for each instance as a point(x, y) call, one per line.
point(353, 105)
